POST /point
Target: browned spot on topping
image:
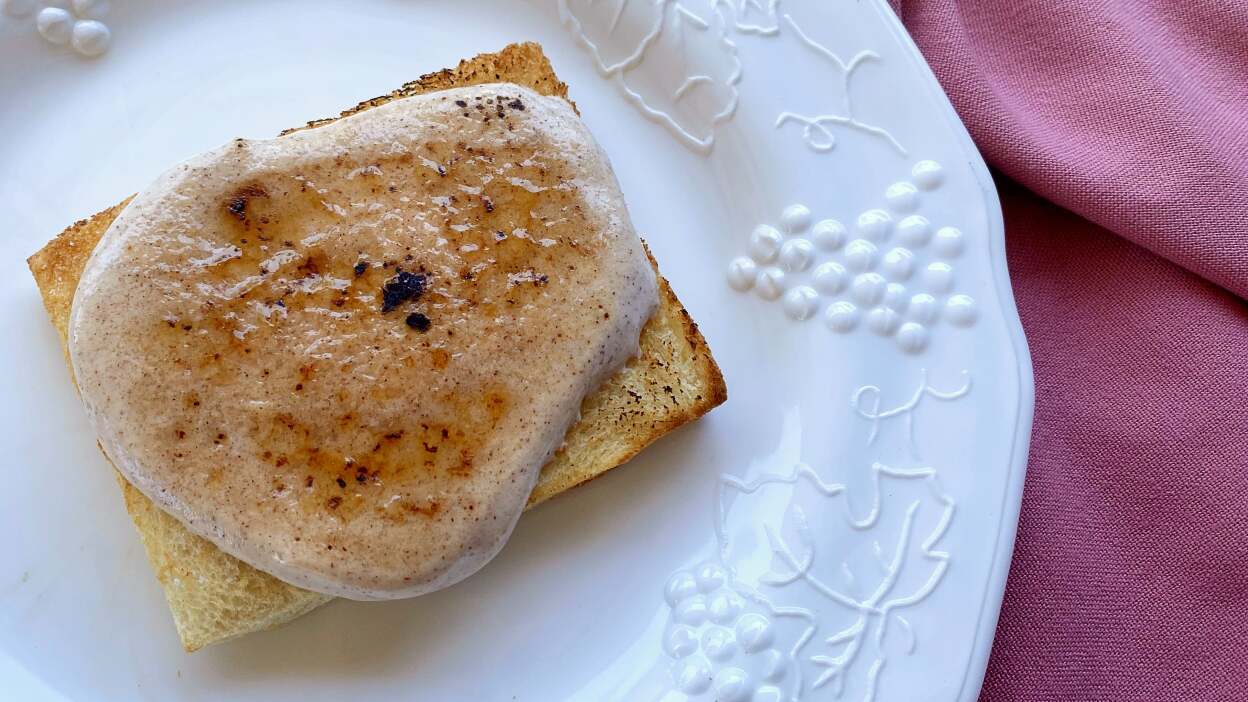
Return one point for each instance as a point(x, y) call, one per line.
point(333, 503)
point(464, 468)
point(236, 205)
point(310, 266)
point(495, 406)
point(440, 358)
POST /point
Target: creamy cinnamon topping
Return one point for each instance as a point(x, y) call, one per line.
point(343, 355)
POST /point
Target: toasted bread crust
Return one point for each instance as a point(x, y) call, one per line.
point(523, 64)
point(215, 597)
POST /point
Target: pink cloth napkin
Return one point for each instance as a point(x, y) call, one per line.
point(1119, 130)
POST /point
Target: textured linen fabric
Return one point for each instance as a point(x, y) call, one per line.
point(1119, 133)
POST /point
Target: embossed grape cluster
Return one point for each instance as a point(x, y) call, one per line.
point(79, 25)
point(723, 646)
point(869, 277)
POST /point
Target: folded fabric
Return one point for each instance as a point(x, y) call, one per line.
point(1130, 573)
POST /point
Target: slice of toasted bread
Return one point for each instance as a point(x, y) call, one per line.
point(214, 596)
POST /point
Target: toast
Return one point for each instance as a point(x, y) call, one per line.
point(215, 597)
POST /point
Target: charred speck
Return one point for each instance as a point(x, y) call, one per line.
point(401, 288)
point(237, 204)
point(516, 104)
point(342, 483)
point(360, 268)
point(461, 103)
point(441, 170)
point(418, 321)
point(489, 204)
point(499, 236)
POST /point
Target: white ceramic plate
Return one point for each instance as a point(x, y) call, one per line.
point(840, 529)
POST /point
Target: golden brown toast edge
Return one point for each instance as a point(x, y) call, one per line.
point(213, 596)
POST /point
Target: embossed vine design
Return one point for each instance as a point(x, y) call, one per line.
point(811, 585)
point(691, 85)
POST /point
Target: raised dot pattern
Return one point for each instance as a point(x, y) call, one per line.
point(77, 24)
point(891, 272)
point(722, 646)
